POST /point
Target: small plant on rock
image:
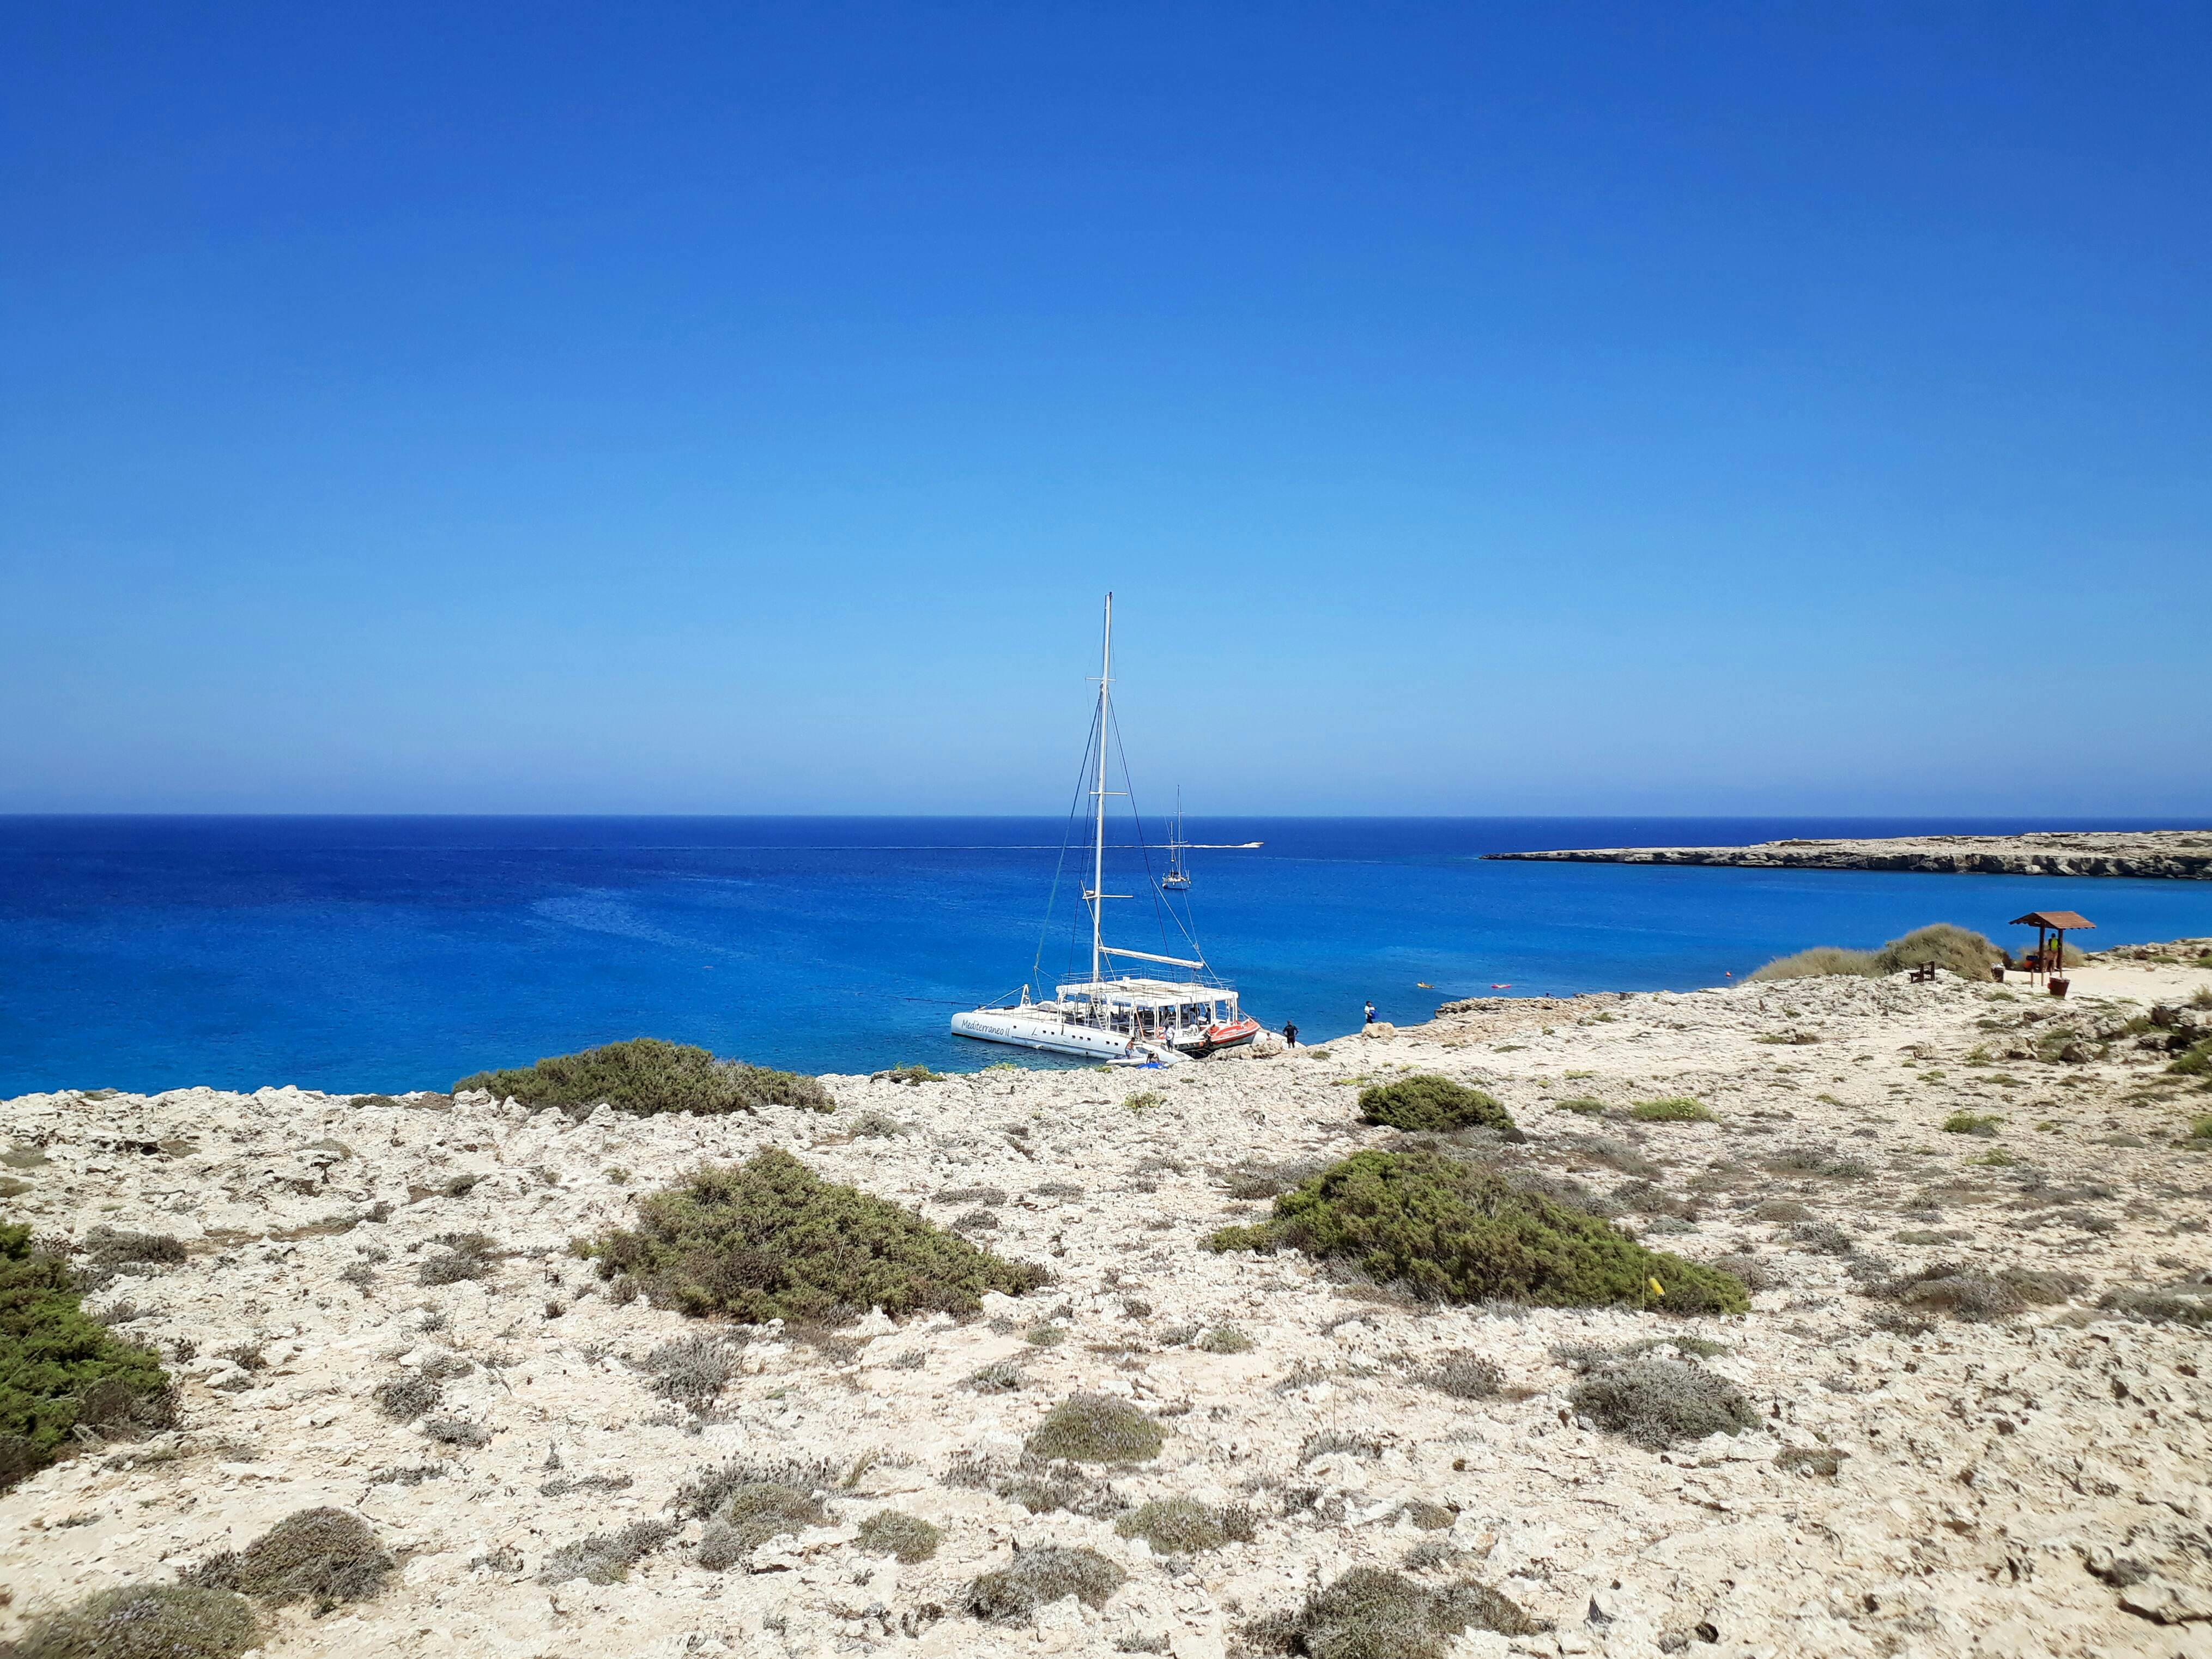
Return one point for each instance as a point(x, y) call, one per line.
point(326, 1556)
point(1435, 1104)
point(750, 1516)
point(1039, 1577)
point(769, 1239)
point(1657, 1403)
point(1097, 1428)
point(1455, 1232)
point(1674, 1108)
point(1972, 1123)
point(647, 1075)
point(606, 1558)
point(895, 1532)
point(1185, 1526)
point(1464, 1376)
point(1368, 1613)
point(144, 1621)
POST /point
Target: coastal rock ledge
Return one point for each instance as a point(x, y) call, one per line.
point(2173, 854)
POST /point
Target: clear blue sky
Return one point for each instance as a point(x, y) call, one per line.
point(1531, 408)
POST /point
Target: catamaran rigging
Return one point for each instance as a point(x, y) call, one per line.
point(1113, 1015)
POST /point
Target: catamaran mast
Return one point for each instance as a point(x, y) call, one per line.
point(1098, 797)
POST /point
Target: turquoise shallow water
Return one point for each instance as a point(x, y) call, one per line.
point(400, 953)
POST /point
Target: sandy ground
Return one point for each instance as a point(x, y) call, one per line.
point(2000, 1485)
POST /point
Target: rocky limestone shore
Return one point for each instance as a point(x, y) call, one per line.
point(2177, 854)
point(1915, 1483)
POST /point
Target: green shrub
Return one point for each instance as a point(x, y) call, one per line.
point(144, 1621)
point(1674, 1108)
point(1456, 1232)
point(1656, 1402)
point(1037, 1579)
point(2198, 1062)
point(326, 1556)
point(647, 1075)
point(2200, 1128)
point(1096, 1428)
point(769, 1239)
point(1226, 1339)
point(1368, 1613)
point(1184, 1525)
point(1433, 1103)
point(1586, 1105)
point(1144, 1101)
point(894, 1532)
point(61, 1370)
point(912, 1075)
point(1972, 1123)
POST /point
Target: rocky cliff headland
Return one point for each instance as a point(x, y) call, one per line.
point(2176, 854)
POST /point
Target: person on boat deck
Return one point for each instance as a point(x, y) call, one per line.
point(1291, 1036)
point(1371, 1012)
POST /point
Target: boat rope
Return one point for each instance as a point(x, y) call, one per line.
point(1060, 868)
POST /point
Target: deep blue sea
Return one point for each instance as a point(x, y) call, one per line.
point(401, 953)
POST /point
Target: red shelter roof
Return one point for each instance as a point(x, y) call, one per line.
point(2066, 920)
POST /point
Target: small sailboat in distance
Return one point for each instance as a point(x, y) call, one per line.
point(1119, 1017)
point(1177, 879)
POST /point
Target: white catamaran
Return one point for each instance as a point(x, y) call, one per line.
point(1124, 1019)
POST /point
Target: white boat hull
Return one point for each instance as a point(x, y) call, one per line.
point(1028, 1030)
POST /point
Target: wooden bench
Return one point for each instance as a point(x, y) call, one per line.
point(1924, 974)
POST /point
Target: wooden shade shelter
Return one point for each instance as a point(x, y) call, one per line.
point(2048, 923)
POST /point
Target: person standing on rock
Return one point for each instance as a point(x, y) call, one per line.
point(1291, 1036)
point(1370, 1020)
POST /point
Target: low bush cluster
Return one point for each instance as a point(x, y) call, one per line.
point(1459, 1232)
point(647, 1075)
point(1431, 1103)
point(769, 1239)
point(60, 1369)
point(325, 1556)
point(1369, 1613)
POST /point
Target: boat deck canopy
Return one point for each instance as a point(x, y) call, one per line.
point(1142, 992)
